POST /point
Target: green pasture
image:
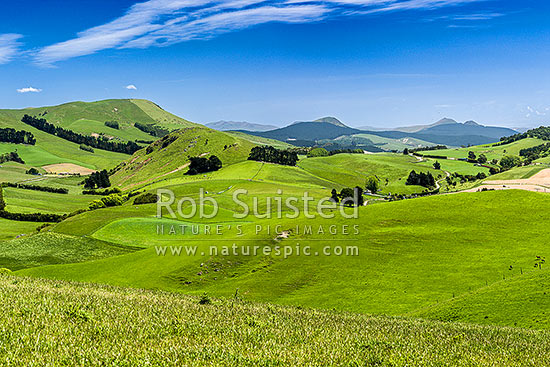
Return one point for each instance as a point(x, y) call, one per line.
point(70, 323)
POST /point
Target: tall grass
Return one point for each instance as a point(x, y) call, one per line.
point(59, 323)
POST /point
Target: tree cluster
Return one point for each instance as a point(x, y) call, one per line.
point(348, 196)
point(108, 201)
point(202, 165)
point(421, 179)
point(510, 161)
point(11, 157)
point(317, 152)
point(147, 198)
point(9, 135)
point(54, 190)
point(152, 130)
point(272, 155)
point(99, 179)
point(465, 178)
point(112, 124)
point(100, 143)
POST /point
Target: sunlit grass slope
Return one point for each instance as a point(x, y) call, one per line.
point(87, 118)
point(59, 323)
point(412, 254)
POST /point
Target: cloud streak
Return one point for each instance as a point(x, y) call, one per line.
point(29, 90)
point(166, 22)
point(9, 45)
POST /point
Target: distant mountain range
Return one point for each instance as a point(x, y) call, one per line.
point(239, 125)
point(446, 131)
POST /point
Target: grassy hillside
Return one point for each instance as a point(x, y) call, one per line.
point(258, 140)
point(353, 169)
point(490, 151)
point(520, 301)
point(170, 157)
point(41, 318)
point(55, 248)
point(412, 254)
point(86, 118)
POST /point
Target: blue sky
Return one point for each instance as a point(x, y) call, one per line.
point(382, 63)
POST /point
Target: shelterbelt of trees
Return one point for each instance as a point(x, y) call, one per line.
point(54, 190)
point(152, 130)
point(9, 135)
point(269, 154)
point(91, 141)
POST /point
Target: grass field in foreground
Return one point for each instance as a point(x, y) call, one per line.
point(58, 323)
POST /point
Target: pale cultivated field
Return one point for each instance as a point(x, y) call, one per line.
point(539, 182)
point(67, 168)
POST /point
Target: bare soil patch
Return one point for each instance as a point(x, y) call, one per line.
point(68, 168)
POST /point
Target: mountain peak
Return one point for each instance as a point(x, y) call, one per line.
point(331, 120)
point(445, 121)
point(471, 123)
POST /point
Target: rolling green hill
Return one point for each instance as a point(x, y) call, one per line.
point(465, 257)
point(170, 156)
point(491, 151)
point(87, 118)
point(412, 254)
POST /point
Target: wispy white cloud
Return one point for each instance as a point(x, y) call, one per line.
point(131, 87)
point(165, 22)
point(9, 45)
point(29, 90)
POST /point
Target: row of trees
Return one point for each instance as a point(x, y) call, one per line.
point(54, 190)
point(11, 157)
point(91, 141)
point(202, 165)
point(272, 155)
point(152, 130)
point(9, 135)
point(32, 217)
point(539, 151)
point(99, 179)
point(406, 151)
point(114, 190)
point(540, 133)
point(2, 202)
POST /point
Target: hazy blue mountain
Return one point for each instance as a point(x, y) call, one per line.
point(239, 125)
point(468, 128)
point(445, 131)
point(327, 120)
